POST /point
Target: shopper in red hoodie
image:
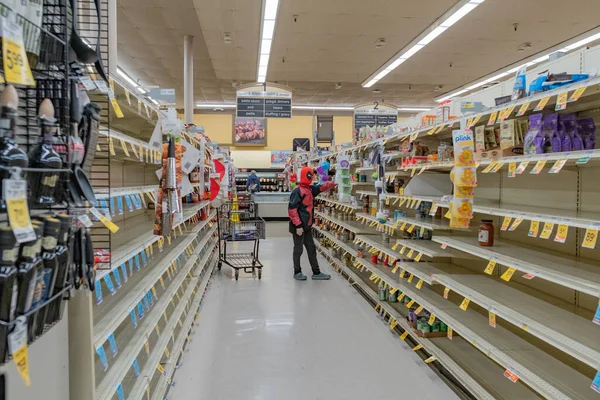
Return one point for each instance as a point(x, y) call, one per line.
point(300, 210)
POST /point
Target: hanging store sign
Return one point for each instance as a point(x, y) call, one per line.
point(264, 101)
point(374, 114)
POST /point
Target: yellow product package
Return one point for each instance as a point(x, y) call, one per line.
point(463, 148)
point(465, 176)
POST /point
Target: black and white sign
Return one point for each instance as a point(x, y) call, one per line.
point(270, 103)
point(374, 114)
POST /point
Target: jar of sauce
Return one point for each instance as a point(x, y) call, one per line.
point(486, 233)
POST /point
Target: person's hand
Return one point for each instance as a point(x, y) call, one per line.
point(299, 231)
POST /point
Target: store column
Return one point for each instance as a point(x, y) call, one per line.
point(188, 79)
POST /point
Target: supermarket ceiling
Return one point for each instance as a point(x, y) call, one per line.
point(320, 43)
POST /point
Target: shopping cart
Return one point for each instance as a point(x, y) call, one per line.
point(238, 221)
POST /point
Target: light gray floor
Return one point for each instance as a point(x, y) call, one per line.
point(278, 339)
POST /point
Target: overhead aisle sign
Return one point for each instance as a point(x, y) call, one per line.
point(374, 114)
point(263, 101)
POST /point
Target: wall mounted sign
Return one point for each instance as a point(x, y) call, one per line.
point(374, 114)
point(264, 101)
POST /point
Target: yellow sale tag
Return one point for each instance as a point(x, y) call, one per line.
point(542, 104)
point(160, 369)
point(134, 151)
point(430, 359)
point(508, 112)
point(393, 324)
point(421, 231)
point(533, 228)
point(508, 274)
point(116, 107)
point(558, 165)
point(21, 359)
point(402, 250)
point(469, 123)
point(147, 346)
point(561, 101)
point(441, 128)
point(591, 236)
point(394, 247)
point(404, 335)
point(410, 278)
point(493, 118)
point(492, 319)
point(576, 94)
point(431, 131)
point(449, 335)
point(105, 221)
point(124, 147)
point(497, 167)
point(538, 167)
point(403, 226)
point(395, 269)
point(401, 296)
point(410, 304)
point(512, 167)
point(419, 309)
point(465, 304)
point(402, 273)
point(111, 146)
point(490, 267)
point(410, 228)
point(547, 230)
point(417, 347)
point(422, 170)
point(410, 253)
point(505, 223)
point(515, 224)
point(420, 284)
point(489, 167)
point(523, 109)
point(561, 233)
point(431, 319)
point(16, 66)
point(167, 353)
point(418, 257)
point(476, 120)
point(521, 168)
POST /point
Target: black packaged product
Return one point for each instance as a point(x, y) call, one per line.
point(63, 274)
point(8, 285)
point(45, 280)
point(29, 265)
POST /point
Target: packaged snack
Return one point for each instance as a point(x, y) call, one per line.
point(508, 134)
point(492, 138)
point(587, 130)
point(465, 177)
point(464, 192)
point(463, 148)
point(480, 138)
point(550, 131)
point(533, 142)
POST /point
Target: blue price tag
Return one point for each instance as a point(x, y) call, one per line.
point(597, 315)
point(98, 291)
point(113, 344)
point(130, 262)
point(137, 201)
point(103, 204)
point(137, 262)
point(129, 204)
point(124, 269)
point(146, 305)
point(136, 368)
point(102, 355)
point(133, 318)
point(109, 284)
point(141, 310)
point(150, 298)
point(117, 277)
point(112, 206)
point(596, 383)
point(144, 260)
point(178, 263)
point(120, 392)
point(120, 205)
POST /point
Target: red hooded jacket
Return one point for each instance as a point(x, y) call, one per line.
point(300, 208)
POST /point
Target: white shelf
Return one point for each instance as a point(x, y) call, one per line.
point(426, 247)
point(544, 264)
point(366, 193)
point(431, 199)
point(106, 389)
point(427, 223)
point(564, 330)
point(130, 249)
point(111, 321)
point(114, 192)
point(536, 368)
point(339, 204)
point(138, 392)
point(354, 184)
point(352, 226)
point(362, 169)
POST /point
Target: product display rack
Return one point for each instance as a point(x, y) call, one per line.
point(528, 303)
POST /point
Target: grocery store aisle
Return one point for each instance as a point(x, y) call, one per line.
point(282, 339)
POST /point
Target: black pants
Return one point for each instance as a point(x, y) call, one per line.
point(305, 240)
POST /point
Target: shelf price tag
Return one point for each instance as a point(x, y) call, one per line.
point(418, 310)
point(465, 304)
point(410, 304)
point(506, 223)
point(16, 66)
point(547, 230)
point(512, 167)
point(561, 233)
point(508, 274)
point(404, 335)
point(515, 224)
point(105, 221)
point(542, 104)
point(417, 347)
point(561, 101)
point(533, 228)
point(431, 319)
point(430, 359)
point(521, 168)
point(558, 165)
point(449, 334)
point(493, 118)
point(410, 278)
point(497, 167)
point(17, 345)
point(523, 109)
point(446, 292)
point(576, 94)
point(420, 284)
point(431, 131)
point(511, 376)
point(410, 253)
point(489, 167)
point(591, 236)
point(14, 192)
point(492, 319)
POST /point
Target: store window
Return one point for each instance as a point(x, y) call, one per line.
point(324, 128)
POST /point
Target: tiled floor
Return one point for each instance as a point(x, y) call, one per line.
point(279, 339)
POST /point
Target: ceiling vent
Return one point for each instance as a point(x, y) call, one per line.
point(227, 38)
point(376, 91)
point(524, 46)
point(338, 85)
point(380, 43)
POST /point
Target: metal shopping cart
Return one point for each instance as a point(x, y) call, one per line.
point(238, 221)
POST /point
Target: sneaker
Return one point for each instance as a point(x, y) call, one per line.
point(321, 277)
point(300, 276)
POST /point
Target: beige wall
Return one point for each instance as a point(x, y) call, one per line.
point(280, 132)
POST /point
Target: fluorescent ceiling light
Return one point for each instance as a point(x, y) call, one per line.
point(457, 12)
point(206, 105)
point(154, 101)
point(415, 109)
point(582, 42)
point(130, 80)
point(269, 17)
